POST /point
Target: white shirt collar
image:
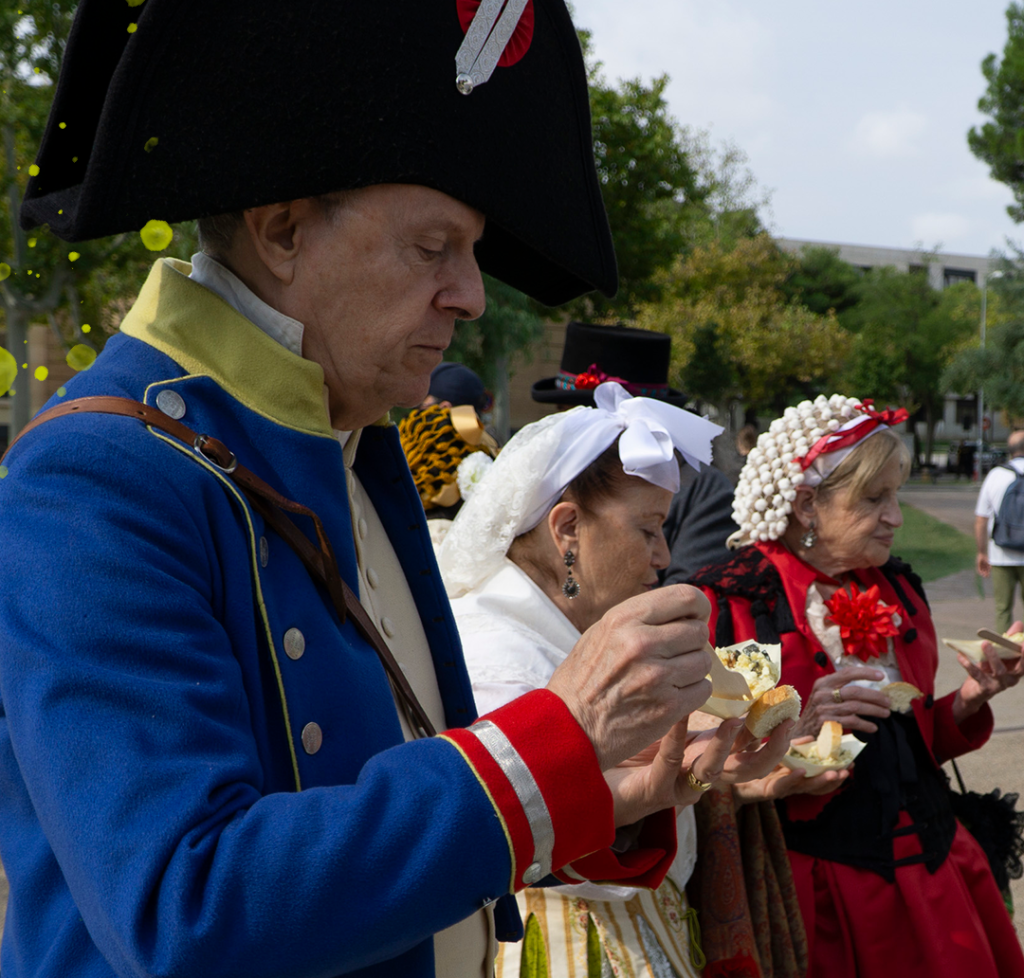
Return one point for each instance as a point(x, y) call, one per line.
point(213, 275)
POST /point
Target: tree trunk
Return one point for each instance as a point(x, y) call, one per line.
point(929, 420)
point(502, 402)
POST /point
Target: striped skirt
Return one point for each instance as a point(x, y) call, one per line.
point(652, 935)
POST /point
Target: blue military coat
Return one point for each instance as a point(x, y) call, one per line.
point(159, 813)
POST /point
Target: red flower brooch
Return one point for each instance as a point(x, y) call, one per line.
point(864, 622)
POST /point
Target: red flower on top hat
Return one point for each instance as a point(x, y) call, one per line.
point(592, 377)
point(864, 621)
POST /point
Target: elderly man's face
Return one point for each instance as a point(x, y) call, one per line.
point(378, 286)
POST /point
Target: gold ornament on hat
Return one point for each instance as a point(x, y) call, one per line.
point(435, 440)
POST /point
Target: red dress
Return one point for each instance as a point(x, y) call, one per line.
point(950, 922)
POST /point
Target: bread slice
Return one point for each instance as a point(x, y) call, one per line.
point(804, 757)
point(901, 695)
point(778, 704)
point(823, 750)
point(828, 738)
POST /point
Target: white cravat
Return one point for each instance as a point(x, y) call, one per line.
point(211, 274)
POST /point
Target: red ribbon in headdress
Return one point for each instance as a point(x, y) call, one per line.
point(837, 440)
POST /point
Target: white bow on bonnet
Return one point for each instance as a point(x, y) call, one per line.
point(534, 468)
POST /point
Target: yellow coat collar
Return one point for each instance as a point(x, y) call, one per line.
point(207, 337)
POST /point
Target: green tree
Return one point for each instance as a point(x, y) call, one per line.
point(998, 369)
point(79, 290)
point(736, 335)
point(821, 280)
point(905, 335)
point(731, 203)
point(1000, 143)
point(660, 183)
point(710, 374)
point(508, 327)
point(492, 344)
point(647, 182)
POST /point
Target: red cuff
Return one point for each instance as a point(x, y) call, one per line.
point(645, 865)
point(541, 774)
point(952, 740)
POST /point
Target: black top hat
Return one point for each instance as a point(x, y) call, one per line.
point(636, 358)
point(206, 108)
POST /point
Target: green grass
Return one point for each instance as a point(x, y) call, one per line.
point(934, 548)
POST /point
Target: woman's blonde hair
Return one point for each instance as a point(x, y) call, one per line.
point(856, 472)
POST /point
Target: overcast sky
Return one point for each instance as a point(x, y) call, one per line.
point(853, 115)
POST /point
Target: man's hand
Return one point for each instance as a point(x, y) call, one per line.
point(981, 541)
point(783, 782)
point(750, 759)
point(657, 778)
point(638, 671)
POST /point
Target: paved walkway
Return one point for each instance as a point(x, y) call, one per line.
point(953, 504)
point(959, 609)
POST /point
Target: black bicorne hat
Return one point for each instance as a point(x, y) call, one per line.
point(636, 358)
point(211, 106)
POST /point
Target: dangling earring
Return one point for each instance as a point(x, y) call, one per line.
point(570, 586)
point(810, 538)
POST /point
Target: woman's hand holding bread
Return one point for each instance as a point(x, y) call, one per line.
point(833, 698)
point(985, 679)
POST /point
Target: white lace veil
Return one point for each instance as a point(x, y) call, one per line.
point(534, 468)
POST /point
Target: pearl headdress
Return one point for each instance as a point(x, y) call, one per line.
point(803, 447)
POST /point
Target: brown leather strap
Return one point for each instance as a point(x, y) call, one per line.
point(318, 559)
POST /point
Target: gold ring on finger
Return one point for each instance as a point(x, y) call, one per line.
point(691, 780)
point(837, 694)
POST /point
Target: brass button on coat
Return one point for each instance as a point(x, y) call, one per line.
point(387, 626)
point(294, 643)
point(372, 578)
point(361, 528)
point(312, 738)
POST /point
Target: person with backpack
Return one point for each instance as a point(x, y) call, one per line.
point(999, 530)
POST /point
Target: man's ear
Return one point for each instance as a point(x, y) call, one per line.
point(805, 506)
point(277, 232)
point(564, 524)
